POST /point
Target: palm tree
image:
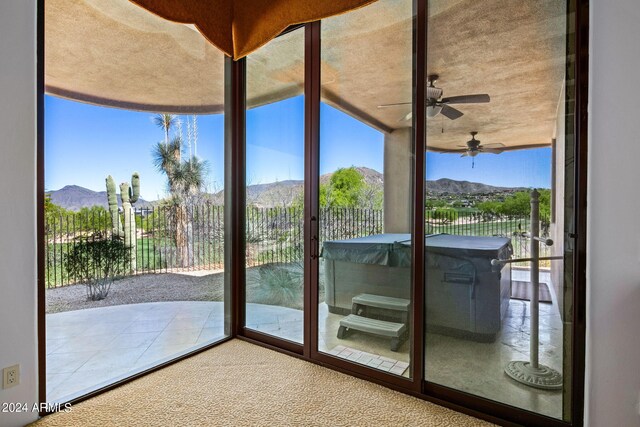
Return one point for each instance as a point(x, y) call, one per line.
point(185, 180)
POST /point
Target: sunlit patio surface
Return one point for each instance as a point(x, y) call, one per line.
point(88, 349)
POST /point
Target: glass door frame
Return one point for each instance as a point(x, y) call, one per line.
point(312, 89)
point(578, 72)
point(236, 167)
point(312, 184)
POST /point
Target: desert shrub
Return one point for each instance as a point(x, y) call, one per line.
point(97, 264)
point(280, 285)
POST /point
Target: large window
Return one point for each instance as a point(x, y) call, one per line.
point(346, 122)
point(275, 191)
point(134, 242)
point(498, 302)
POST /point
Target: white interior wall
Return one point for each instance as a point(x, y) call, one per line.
point(17, 206)
point(613, 246)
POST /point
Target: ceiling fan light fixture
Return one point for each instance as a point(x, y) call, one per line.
point(433, 110)
point(433, 92)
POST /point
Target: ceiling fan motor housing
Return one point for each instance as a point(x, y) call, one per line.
point(433, 93)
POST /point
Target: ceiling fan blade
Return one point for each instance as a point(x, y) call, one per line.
point(465, 155)
point(451, 112)
point(491, 150)
point(467, 99)
point(394, 105)
point(493, 145)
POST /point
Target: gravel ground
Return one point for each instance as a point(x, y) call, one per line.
point(139, 289)
point(163, 287)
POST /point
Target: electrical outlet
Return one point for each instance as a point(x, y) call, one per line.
point(11, 376)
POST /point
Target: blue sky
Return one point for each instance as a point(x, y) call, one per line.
point(85, 143)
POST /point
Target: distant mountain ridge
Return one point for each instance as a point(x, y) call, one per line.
point(451, 186)
point(74, 198)
point(281, 193)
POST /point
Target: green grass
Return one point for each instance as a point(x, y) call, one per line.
point(481, 228)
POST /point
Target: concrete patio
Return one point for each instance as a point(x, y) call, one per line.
point(88, 349)
point(91, 348)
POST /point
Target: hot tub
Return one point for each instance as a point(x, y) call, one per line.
point(465, 294)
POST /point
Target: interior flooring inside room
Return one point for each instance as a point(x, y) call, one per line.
point(238, 383)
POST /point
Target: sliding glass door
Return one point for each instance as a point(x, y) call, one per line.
point(499, 202)
point(463, 291)
point(365, 187)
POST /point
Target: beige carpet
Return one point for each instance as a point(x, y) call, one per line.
point(238, 384)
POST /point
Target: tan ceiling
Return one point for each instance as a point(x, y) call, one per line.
point(116, 54)
point(512, 50)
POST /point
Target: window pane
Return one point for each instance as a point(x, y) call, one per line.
point(366, 167)
point(131, 282)
point(274, 192)
point(485, 333)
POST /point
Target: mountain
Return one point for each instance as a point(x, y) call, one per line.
point(450, 186)
point(74, 197)
point(281, 193)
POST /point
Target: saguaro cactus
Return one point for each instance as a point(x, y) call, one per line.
point(129, 195)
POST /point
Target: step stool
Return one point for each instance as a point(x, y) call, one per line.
point(359, 321)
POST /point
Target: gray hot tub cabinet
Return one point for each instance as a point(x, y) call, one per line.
point(465, 294)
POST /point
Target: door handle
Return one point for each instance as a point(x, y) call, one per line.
point(314, 247)
point(314, 240)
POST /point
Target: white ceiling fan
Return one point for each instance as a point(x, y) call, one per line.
point(438, 105)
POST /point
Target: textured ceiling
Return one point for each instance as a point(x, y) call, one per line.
point(114, 53)
point(512, 50)
point(117, 54)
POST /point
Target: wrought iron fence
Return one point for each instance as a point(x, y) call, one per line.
point(156, 248)
point(273, 235)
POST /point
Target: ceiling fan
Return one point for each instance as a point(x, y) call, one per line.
point(438, 105)
point(473, 148)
